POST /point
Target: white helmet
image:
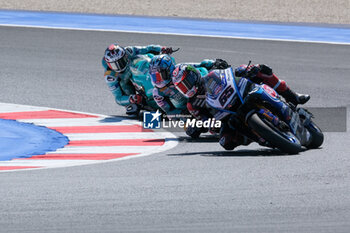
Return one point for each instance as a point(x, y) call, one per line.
point(116, 58)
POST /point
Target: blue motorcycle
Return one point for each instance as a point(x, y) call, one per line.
point(260, 114)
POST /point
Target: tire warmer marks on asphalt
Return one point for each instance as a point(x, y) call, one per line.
point(92, 138)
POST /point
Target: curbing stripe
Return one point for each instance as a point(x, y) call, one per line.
point(96, 139)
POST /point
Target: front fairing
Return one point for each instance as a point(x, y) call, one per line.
point(224, 95)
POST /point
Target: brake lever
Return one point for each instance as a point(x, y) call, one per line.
point(176, 50)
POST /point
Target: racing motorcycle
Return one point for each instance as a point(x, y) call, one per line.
point(259, 113)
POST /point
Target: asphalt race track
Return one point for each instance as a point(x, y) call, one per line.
point(196, 187)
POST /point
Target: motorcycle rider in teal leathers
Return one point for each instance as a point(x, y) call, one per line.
point(117, 61)
point(168, 98)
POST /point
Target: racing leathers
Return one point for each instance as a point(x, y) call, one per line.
point(170, 100)
point(231, 138)
point(120, 83)
point(196, 105)
point(261, 73)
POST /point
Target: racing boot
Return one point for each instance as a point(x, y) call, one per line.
point(294, 97)
point(230, 142)
point(195, 132)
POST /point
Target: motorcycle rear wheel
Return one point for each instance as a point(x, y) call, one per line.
point(274, 136)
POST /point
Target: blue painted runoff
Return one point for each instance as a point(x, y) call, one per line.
point(176, 26)
point(23, 140)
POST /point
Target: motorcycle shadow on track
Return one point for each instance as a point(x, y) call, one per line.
point(138, 117)
point(202, 139)
point(111, 119)
point(237, 153)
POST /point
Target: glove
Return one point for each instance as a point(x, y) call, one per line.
point(168, 50)
point(193, 111)
point(135, 99)
point(264, 69)
point(253, 71)
point(220, 64)
point(241, 71)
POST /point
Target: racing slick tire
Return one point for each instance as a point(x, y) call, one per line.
point(316, 136)
point(287, 143)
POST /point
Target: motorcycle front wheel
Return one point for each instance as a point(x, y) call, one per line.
point(284, 141)
point(316, 136)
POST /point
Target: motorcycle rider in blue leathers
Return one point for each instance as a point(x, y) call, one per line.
point(116, 63)
point(191, 84)
point(261, 73)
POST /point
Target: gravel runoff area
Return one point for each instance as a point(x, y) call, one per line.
point(307, 11)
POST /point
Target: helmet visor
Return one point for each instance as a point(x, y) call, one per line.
point(118, 65)
point(160, 78)
point(187, 84)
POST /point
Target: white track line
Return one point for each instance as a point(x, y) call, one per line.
point(110, 136)
point(179, 34)
point(80, 122)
